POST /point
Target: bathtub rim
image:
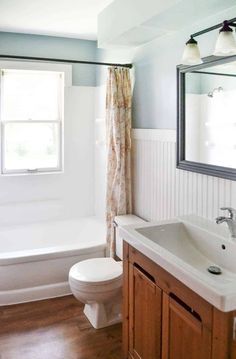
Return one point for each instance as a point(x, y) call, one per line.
point(41, 254)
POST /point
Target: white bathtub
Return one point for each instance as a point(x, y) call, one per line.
point(35, 259)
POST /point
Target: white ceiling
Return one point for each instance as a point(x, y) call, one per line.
point(144, 20)
point(69, 18)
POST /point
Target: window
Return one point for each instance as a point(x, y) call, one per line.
point(31, 121)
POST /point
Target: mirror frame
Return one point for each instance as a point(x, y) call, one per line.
point(207, 169)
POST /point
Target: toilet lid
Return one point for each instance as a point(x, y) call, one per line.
point(96, 270)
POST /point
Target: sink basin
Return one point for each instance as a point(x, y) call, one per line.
point(186, 247)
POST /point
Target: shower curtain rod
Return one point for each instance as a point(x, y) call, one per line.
point(48, 59)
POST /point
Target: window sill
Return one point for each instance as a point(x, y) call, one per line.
point(20, 174)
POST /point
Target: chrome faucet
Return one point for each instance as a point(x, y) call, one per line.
point(230, 220)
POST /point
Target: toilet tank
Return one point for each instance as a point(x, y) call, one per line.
point(124, 220)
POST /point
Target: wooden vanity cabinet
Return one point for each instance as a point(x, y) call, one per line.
point(144, 316)
point(185, 335)
point(164, 319)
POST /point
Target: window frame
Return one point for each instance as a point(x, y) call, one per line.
point(66, 72)
point(57, 169)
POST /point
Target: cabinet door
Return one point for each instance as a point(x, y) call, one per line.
point(144, 316)
point(184, 333)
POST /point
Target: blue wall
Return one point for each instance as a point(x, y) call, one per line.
point(55, 47)
point(154, 101)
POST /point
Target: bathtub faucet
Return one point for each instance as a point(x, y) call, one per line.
point(230, 220)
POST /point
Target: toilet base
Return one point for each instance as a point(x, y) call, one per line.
point(103, 315)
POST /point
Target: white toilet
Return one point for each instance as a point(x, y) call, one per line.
point(97, 282)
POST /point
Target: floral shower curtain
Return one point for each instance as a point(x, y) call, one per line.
point(118, 127)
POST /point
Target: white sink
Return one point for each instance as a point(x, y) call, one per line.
point(186, 247)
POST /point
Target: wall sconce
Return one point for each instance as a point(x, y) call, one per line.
point(225, 44)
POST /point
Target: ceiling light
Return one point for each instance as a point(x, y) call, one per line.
point(191, 55)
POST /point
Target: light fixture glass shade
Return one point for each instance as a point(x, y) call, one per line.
point(225, 44)
point(191, 55)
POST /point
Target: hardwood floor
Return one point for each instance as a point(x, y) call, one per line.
point(55, 329)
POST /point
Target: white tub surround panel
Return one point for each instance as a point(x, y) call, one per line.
point(43, 197)
point(100, 155)
point(162, 192)
point(79, 155)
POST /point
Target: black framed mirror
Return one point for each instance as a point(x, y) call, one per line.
point(206, 117)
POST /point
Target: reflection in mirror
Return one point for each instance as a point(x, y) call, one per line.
point(210, 115)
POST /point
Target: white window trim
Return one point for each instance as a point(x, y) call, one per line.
point(67, 70)
point(37, 66)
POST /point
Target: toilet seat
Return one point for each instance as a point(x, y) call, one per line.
point(96, 287)
point(96, 272)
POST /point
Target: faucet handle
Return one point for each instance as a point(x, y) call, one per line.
point(232, 212)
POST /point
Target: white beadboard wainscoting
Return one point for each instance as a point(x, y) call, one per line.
point(161, 191)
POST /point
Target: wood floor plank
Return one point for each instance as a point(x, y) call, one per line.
point(55, 329)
